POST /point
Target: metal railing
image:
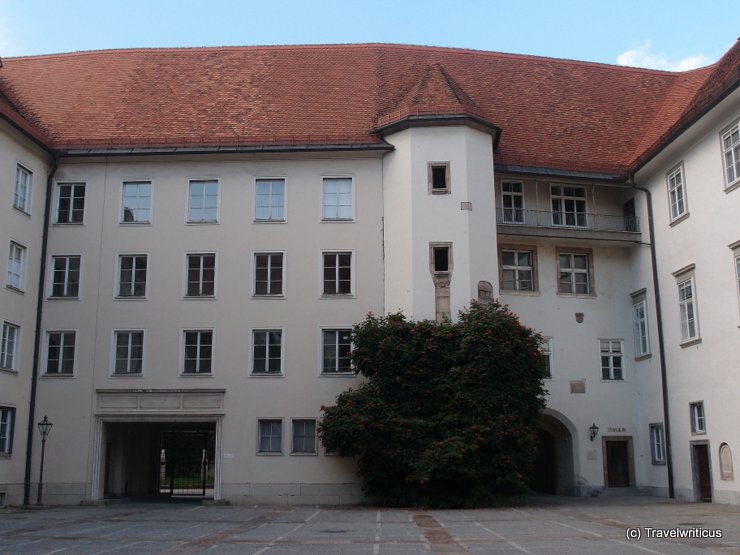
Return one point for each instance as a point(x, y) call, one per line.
point(566, 220)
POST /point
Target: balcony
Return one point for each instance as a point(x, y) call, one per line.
point(581, 225)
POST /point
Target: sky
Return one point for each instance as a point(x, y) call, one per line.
point(660, 34)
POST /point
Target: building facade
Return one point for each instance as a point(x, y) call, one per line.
point(192, 233)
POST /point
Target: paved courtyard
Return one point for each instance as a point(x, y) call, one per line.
point(541, 525)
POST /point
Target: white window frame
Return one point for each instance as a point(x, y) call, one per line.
point(10, 346)
point(562, 198)
point(640, 326)
point(517, 213)
point(57, 199)
point(201, 282)
point(193, 211)
point(64, 343)
point(122, 213)
point(572, 271)
point(67, 272)
point(688, 309)
point(293, 450)
point(129, 347)
point(15, 277)
point(336, 206)
point(322, 343)
point(270, 254)
point(732, 170)
point(337, 252)
point(270, 452)
point(271, 181)
point(119, 275)
point(610, 371)
point(23, 188)
point(678, 206)
point(199, 360)
point(7, 421)
point(737, 275)
point(657, 444)
point(698, 418)
point(517, 269)
point(546, 349)
point(253, 358)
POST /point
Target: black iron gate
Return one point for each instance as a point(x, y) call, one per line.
point(186, 462)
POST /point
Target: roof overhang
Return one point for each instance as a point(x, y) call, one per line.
point(440, 120)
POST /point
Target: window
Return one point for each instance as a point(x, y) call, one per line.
point(304, 436)
point(687, 309)
point(439, 178)
point(201, 275)
point(568, 205)
point(546, 349)
point(611, 359)
point(698, 422)
point(640, 325)
point(65, 276)
point(512, 201)
point(132, 275)
point(7, 420)
point(136, 204)
point(9, 346)
point(198, 357)
point(657, 443)
point(337, 273)
point(16, 275)
point(267, 352)
point(270, 436)
point(737, 271)
point(440, 258)
point(517, 270)
point(203, 202)
point(22, 193)
point(129, 352)
point(270, 200)
point(676, 193)
point(731, 150)
point(60, 354)
point(337, 203)
point(575, 275)
point(268, 273)
point(336, 347)
point(70, 203)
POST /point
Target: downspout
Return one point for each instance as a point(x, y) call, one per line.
point(37, 333)
point(661, 342)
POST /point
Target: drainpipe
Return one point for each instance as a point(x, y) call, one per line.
point(661, 343)
point(37, 334)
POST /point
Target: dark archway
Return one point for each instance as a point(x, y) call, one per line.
point(554, 471)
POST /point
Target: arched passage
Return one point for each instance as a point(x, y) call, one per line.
point(554, 468)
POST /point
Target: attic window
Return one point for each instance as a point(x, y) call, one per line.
point(439, 178)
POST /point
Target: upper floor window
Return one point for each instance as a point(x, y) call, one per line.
point(269, 204)
point(517, 270)
point(60, 353)
point(575, 275)
point(611, 359)
point(731, 150)
point(7, 421)
point(337, 195)
point(198, 356)
point(267, 352)
point(546, 350)
point(132, 269)
point(512, 202)
point(16, 275)
point(22, 193)
point(439, 177)
point(201, 275)
point(337, 273)
point(698, 421)
point(136, 202)
point(687, 309)
point(737, 272)
point(203, 201)
point(9, 346)
point(676, 193)
point(568, 205)
point(65, 276)
point(70, 203)
point(657, 444)
point(640, 325)
point(336, 346)
point(268, 273)
point(129, 351)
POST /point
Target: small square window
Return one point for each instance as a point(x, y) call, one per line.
point(136, 202)
point(270, 436)
point(70, 203)
point(698, 422)
point(304, 436)
point(22, 192)
point(439, 177)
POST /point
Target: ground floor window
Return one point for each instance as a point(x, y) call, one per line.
point(7, 418)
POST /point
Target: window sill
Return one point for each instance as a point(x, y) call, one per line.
point(337, 296)
point(199, 298)
point(203, 222)
point(440, 191)
point(8, 371)
point(620, 380)
point(269, 221)
point(338, 221)
point(268, 454)
point(131, 298)
point(658, 463)
point(690, 342)
point(64, 224)
point(678, 220)
point(127, 375)
point(314, 454)
point(267, 375)
point(520, 293)
point(577, 295)
point(732, 186)
point(14, 289)
point(337, 375)
point(21, 211)
point(62, 298)
point(197, 375)
point(644, 357)
point(278, 297)
point(134, 224)
point(701, 433)
point(57, 376)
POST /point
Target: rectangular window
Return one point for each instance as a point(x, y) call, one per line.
point(270, 436)
point(568, 206)
point(337, 273)
point(698, 421)
point(270, 200)
point(9, 346)
point(129, 355)
point(136, 203)
point(517, 270)
point(336, 347)
point(203, 202)
point(640, 325)
point(512, 202)
point(65, 276)
point(687, 310)
point(22, 192)
point(441, 259)
point(132, 275)
point(198, 358)
point(337, 203)
point(268, 273)
point(546, 349)
point(201, 275)
point(439, 177)
point(612, 356)
point(16, 276)
point(676, 193)
point(267, 352)
point(737, 274)
point(60, 354)
point(731, 151)
point(7, 422)
point(70, 203)
point(574, 273)
point(657, 443)
point(304, 436)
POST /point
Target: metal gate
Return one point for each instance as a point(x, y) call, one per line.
point(186, 462)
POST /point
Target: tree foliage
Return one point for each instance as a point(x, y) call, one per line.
point(448, 414)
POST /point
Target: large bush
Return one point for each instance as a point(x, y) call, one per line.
point(448, 414)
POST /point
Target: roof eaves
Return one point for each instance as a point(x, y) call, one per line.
point(618, 177)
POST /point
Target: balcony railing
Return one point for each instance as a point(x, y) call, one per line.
point(566, 220)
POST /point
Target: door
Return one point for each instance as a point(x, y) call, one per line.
point(701, 472)
point(617, 464)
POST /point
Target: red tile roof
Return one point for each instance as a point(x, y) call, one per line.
point(554, 114)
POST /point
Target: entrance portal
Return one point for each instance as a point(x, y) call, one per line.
point(186, 462)
point(554, 471)
point(618, 466)
point(702, 476)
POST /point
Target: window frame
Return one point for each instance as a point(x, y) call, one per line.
point(698, 418)
point(611, 354)
point(683, 277)
point(322, 359)
point(293, 450)
point(25, 207)
point(546, 349)
point(7, 418)
point(730, 184)
point(57, 202)
point(22, 265)
point(337, 205)
point(677, 170)
point(532, 250)
point(641, 324)
point(657, 443)
point(122, 210)
point(114, 352)
point(47, 345)
point(431, 189)
point(198, 359)
point(588, 253)
point(52, 271)
point(270, 208)
point(336, 253)
point(14, 352)
point(562, 198)
point(189, 220)
point(269, 254)
point(186, 275)
point(513, 209)
point(270, 452)
point(267, 345)
point(134, 270)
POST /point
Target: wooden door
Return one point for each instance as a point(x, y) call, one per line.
point(701, 468)
point(617, 464)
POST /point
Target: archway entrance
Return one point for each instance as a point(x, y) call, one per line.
point(554, 472)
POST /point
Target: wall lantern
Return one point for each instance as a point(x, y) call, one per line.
point(593, 431)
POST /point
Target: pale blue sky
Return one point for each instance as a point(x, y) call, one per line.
point(676, 34)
